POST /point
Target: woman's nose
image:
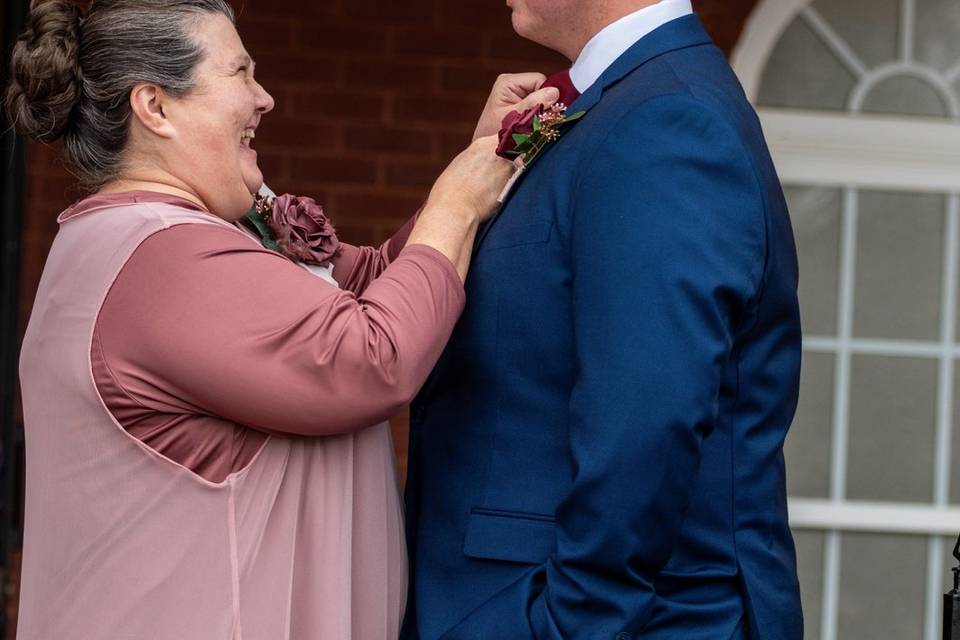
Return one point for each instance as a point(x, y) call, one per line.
point(265, 102)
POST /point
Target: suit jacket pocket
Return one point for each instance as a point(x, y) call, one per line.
point(515, 235)
point(509, 536)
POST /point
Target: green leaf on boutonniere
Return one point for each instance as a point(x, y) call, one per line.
point(576, 116)
point(254, 217)
point(523, 148)
point(536, 124)
point(520, 139)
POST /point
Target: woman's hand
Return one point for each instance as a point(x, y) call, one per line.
point(463, 196)
point(513, 92)
point(471, 184)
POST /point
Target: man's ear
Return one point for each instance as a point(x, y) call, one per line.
point(149, 103)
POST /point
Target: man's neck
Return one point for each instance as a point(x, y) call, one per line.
point(611, 42)
point(602, 15)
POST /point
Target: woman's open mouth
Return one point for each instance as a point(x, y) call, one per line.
point(246, 139)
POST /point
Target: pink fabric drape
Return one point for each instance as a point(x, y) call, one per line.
point(305, 541)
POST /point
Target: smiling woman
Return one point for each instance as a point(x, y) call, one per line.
point(206, 452)
point(204, 135)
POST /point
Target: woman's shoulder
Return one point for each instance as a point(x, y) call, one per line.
point(138, 205)
point(181, 246)
point(177, 225)
point(201, 258)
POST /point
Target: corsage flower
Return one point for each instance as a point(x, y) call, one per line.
point(295, 227)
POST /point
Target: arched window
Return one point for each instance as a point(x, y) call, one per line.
point(860, 101)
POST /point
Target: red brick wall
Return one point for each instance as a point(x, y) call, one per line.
point(373, 98)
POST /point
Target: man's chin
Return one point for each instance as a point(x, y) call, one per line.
point(524, 27)
point(519, 24)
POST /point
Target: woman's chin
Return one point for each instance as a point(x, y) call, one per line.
point(235, 200)
point(249, 167)
point(238, 207)
point(253, 179)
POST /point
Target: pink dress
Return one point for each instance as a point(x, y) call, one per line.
point(303, 538)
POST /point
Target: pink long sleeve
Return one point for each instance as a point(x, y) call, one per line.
point(203, 331)
point(356, 267)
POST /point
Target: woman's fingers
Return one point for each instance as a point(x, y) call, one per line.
point(509, 90)
point(546, 97)
point(511, 87)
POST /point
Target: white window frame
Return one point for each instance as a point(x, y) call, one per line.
point(853, 152)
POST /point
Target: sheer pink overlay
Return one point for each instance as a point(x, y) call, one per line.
point(305, 540)
point(194, 303)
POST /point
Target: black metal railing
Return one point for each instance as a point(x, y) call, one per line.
point(951, 602)
point(12, 175)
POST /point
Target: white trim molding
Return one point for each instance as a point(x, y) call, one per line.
point(874, 517)
point(867, 151)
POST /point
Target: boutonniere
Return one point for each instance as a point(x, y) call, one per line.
point(524, 134)
point(295, 227)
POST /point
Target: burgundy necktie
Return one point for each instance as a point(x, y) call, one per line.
point(561, 80)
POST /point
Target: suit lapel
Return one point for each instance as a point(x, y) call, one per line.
point(677, 34)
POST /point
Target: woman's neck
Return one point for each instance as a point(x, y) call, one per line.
point(121, 185)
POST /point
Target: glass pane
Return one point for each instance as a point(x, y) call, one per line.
point(899, 253)
point(802, 73)
point(905, 95)
point(882, 586)
point(810, 569)
point(892, 423)
point(815, 213)
point(938, 33)
point(808, 443)
point(873, 40)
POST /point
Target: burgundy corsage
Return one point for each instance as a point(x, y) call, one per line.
point(296, 227)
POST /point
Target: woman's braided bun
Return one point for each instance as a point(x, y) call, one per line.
point(45, 77)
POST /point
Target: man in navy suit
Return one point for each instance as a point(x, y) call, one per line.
point(598, 454)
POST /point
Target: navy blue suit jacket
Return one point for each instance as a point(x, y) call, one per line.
point(598, 453)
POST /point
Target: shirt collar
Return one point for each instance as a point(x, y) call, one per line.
point(614, 39)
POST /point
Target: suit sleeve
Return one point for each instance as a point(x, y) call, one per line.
point(667, 249)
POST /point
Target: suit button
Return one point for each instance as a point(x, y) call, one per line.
point(623, 635)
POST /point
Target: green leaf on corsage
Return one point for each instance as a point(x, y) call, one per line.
point(256, 219)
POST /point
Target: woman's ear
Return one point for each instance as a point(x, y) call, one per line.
point(149, 103)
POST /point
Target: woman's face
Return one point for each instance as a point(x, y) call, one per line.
point(215, 122)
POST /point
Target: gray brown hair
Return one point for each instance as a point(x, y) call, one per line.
point(71, 74)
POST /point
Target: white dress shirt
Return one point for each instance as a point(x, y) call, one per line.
point(614, 39)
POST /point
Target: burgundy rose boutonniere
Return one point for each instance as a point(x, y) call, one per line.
point(524, 134)
point(295, 227)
